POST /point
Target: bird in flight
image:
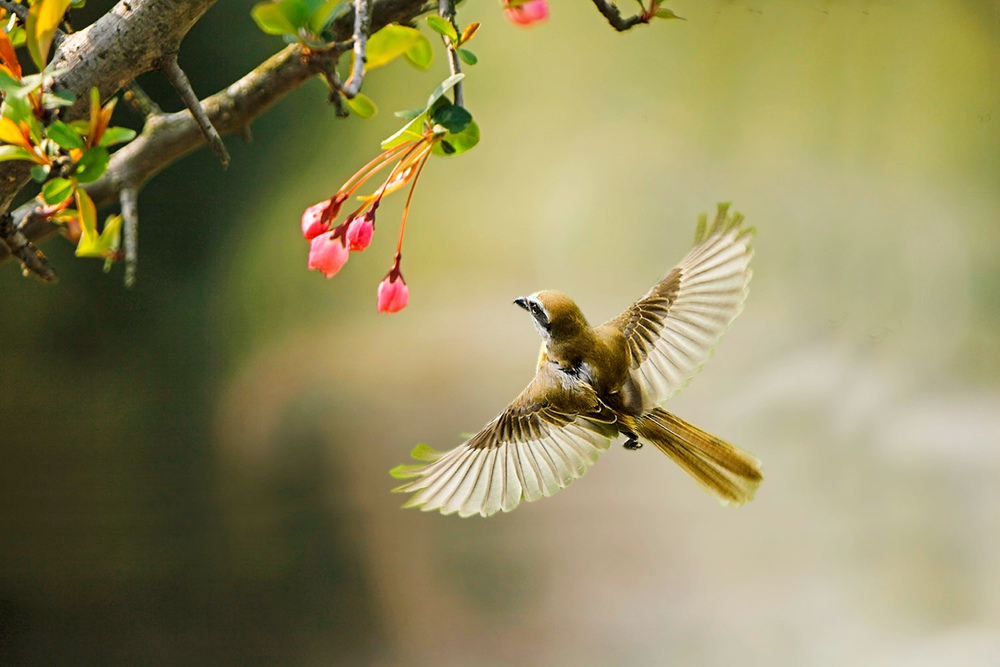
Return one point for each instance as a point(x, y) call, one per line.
point(593, 384)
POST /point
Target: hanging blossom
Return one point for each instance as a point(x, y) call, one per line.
point(525, 13)
point(330, 246)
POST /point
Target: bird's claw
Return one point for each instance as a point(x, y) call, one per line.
point(632, 443)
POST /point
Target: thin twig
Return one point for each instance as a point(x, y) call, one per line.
point(362, 25)
point(129, 199)
point(32, 259)
point(614, 17)
point(180, 82)
point(446, 10)
point(15, 8)
point(140, 100)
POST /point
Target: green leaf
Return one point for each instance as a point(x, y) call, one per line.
point(39, 173)
point(9, 85)
point(451, 117)
point(8, 153)
point(116, 135)
point(459, 142)
point(443, 26)
point(64, 136)
point(467, 56)
point(62, 98)
point(443, 88)
point(389, 43)
point(87, 213)
point(281, 17)
point(17, 36)
point(322, 14)
point(408, 132)
point(58, 190)
point(40, 28)
point(664, 13)
point(409, 114)
point(421, 54)
point(362, 105)
point(91, 165)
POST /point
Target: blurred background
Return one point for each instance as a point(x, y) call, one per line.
point(195, 471)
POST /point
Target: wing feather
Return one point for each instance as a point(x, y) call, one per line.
point(672, 331)
point(544, 440)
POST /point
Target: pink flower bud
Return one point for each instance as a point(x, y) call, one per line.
point(393, 294)
point(327, 254)
point(317, 218)
point(359, 232)
point(527, 13)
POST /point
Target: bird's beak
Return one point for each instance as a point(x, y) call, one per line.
point(522, 301)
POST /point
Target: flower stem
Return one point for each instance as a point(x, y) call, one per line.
point(367, 171)
point(409, 198)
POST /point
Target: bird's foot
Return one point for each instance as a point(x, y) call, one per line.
point(632, 443)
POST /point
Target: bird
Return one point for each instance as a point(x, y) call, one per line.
point(595, 384)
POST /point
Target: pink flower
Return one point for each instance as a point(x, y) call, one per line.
point(317, 218)
point(360, 230)
point(393, 294)
point(328, 253)
point(527, 13)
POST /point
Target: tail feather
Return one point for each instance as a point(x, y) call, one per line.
point(727, 472)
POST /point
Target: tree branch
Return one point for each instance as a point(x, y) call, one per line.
point(362, 26)
point(15, 8)
point(166, 138)
point(32, 259)
point(446, 10)
point(610, 11)
point(178, 79)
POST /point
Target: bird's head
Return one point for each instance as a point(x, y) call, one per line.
point(555, 314)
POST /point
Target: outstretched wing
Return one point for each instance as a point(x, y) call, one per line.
point(534, 448)
point(673, 329)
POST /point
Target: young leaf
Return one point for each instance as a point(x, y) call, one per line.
point(664, 13)
point(8, 84)
point(469, 32)
point(408, 132)
point(91, 165)
point(451, 117)
point(322, 14)
point(64, 136)
point(58, 190)
point(421, 54)
point(362, 105)
point(458, 143)
point(8, 56)
point(281, 17)
point(62, 98)
point(443, 88)
point(389, 43)
point(409, 114)
point(87, 213)
point(11, 133)
point(443, 26)
point(8, 153)
point(43, 21)
point(116, 135)
point(39, 173)
point(467, 56)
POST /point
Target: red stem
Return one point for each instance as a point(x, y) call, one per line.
point(409, 198)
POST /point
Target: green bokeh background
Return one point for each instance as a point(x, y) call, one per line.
point(194, 472)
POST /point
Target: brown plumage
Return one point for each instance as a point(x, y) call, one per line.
point(595, 383)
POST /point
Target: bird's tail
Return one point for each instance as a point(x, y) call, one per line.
point(728, 472)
